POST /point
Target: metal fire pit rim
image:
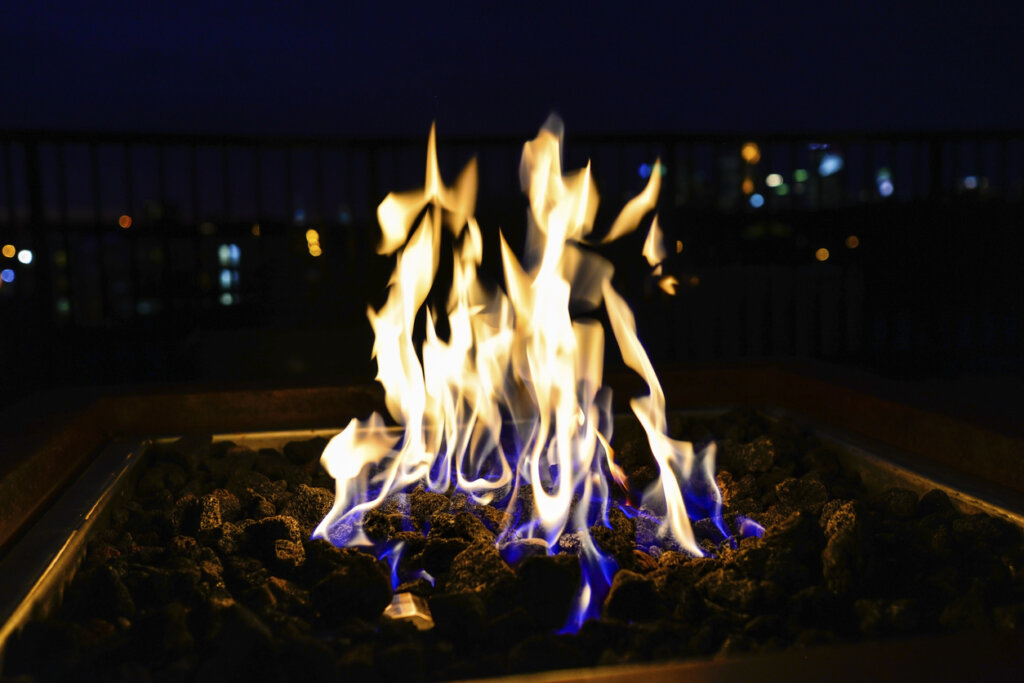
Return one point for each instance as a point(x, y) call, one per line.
point(38, 568)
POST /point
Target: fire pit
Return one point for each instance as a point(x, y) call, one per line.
point(496, 529)
point(370, 648)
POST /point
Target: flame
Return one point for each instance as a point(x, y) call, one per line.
point(516, 368)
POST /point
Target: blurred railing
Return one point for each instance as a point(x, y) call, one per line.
point(137, 235)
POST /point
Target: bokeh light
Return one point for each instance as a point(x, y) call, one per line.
point(9, 250)
point(852, 242)
point(756, 201)
point(125, 221)
point(25, 256)
point(822, 254)
point(748, 186)
point(830, 164)
point(800, 175)
point(7, 275)
point(644, 170)
point(773, 180)
point(751, 153)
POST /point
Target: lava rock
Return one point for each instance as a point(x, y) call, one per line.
point(896, 502)
point(423, 505)
point(357, 587)
point(478, 569)
point(461, 525)
point(548, 585)
point(619, 541)
point(308, 506)
point(802, 494)
point(304, 452)
point(458, 616)
point(632, 597)
point(438, 553)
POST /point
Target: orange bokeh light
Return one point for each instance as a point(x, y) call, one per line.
point(125, 221)
point(822, 254)
point(9, 250)
point(751, 153)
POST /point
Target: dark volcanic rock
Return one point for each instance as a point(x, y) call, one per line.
point(632, 597)
point(619, 541)
point(547, 588)
point(478, 569)
point(208, 573)
point(357, 587)
point(308, 506)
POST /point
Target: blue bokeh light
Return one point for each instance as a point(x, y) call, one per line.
point(644, 170)
point(830, 164)
point(7, 275)
point(756, 200)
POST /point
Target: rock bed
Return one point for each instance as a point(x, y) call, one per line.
point(207, 573)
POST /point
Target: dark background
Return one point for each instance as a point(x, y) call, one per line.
point(328, 68)
point(111, 95)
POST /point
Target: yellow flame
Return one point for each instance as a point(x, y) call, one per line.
point(512, 357)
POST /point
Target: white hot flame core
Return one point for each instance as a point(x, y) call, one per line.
point(515, 360)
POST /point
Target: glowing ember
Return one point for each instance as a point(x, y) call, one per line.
point(510, 409)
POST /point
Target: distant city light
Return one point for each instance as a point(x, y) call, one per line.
point(818, 145)
point(344, 216)
point(830, 164)
point(751, 153)
point(852, 242)
point(225, 279)
point(255, 230)
point(300, 215)
point(313, 242)
point(679, 247)
point(747, 186)
point(9, 250)
point(883, 179)
point(773, 180)
point(756, 201)
point(25, 256)
point(800, 175)
point(125, 221)
point(7, 275)
point(229, 255)
point(226, 299)
point(822, 254)
point(63, 306)
point(970, 182)
point(644, 170)
point(782, 190)
point(694, 280)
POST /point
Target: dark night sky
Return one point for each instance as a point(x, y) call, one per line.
point(323, 67)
